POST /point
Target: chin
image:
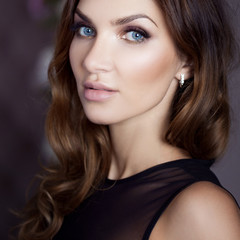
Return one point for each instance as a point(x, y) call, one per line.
point(102, 115)
point(99, 119)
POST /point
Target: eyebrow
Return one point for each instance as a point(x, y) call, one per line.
point(83, 16)
point(120, 21)
point(128, 19)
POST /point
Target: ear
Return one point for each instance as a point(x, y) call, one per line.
point(187, 69)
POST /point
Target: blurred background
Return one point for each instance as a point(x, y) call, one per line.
point(27, 31)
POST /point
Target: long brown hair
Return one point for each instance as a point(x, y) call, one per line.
point(199, 120)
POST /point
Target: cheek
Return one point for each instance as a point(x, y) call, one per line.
point(77, 53)
point(74, 58)
point(149, 65)
point(73, 54)
point(147, 75)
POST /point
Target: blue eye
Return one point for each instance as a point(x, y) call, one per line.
point(86, 31)
point(134, 36)
point(82, 30)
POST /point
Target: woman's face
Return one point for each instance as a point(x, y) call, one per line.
point(123, 59)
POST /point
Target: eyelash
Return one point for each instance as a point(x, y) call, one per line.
point(76, 27)
point(136, 30)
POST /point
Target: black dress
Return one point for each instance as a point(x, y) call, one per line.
point(128, 209)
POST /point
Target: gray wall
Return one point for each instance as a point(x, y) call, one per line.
point(22, 105)
point(24, 44)
point(228, 168)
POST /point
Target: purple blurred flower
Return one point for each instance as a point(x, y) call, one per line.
point(37, 9)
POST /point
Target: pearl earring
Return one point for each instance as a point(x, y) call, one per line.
point(182, 79)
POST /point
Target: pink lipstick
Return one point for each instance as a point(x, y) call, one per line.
point(97, 92)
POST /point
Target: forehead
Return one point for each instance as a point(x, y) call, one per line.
point(112, 9)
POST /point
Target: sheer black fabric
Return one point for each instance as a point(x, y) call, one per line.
point(128, 209)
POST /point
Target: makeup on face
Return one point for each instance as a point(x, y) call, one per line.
point(84, 28)
point(94, 91)
point(130, 53)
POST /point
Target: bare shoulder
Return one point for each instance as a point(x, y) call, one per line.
point(202, 211)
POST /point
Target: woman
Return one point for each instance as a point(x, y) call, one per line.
point(139, 113)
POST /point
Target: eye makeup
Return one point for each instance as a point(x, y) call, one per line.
point(77, 28)
point(83, 28)
point(138, 34)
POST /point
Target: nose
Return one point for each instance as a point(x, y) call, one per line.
point(98, 57)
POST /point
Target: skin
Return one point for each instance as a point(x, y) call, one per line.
point(144, 74)
point(203, 211)
point(148, 67)
point(143, 70)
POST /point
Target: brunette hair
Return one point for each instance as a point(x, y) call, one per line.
point(199, 120)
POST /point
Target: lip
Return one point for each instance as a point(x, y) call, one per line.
point(98, 86)
point(98, 92)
